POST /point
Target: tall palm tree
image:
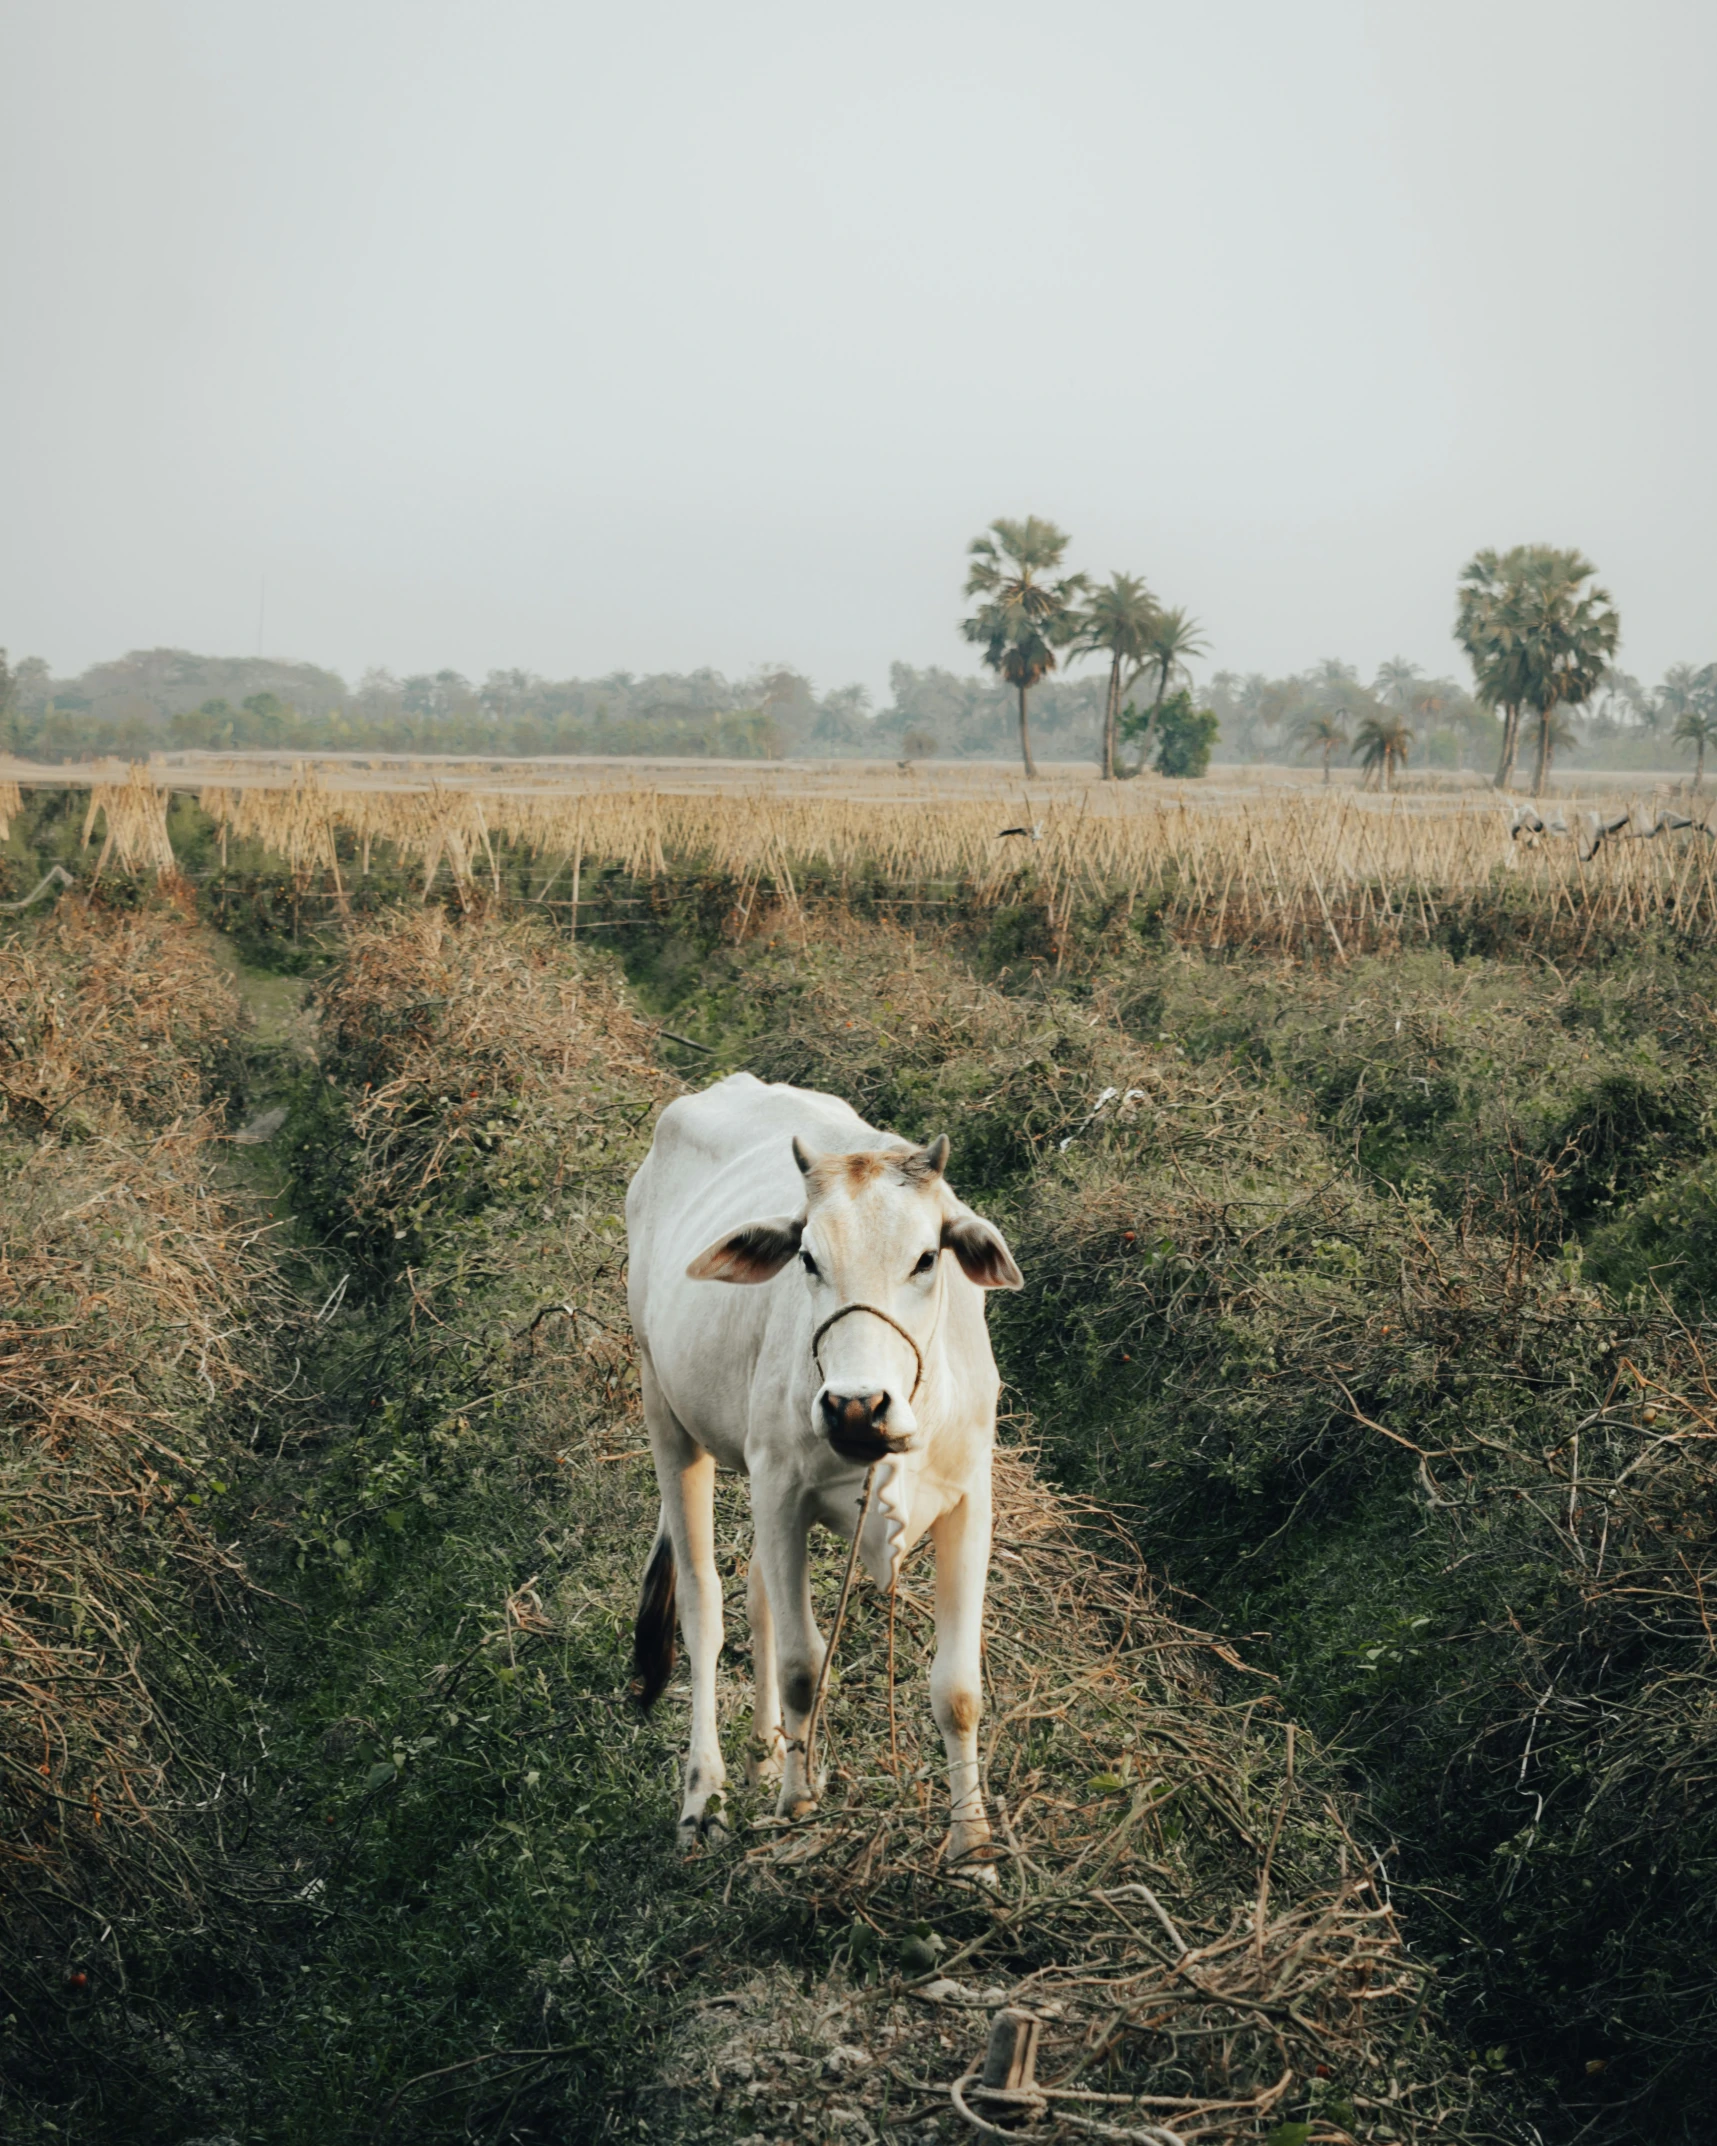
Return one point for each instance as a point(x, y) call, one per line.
point(1119, 621)
point(1480, 598)
point(1025, 616)
point(1696, 725)
point(1567, 630)
point(1379, 742)
point(1318, 732)
point(1539, 638)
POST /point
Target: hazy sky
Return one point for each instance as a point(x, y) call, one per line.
point(590, 337)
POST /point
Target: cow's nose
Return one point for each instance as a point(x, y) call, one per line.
point(856, 1423)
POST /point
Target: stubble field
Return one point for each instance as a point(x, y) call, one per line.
point(1349, 1662)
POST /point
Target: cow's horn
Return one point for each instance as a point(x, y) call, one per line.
point(803, 1157)
point(936, 1155)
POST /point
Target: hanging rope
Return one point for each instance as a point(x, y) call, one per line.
point(814, 1717)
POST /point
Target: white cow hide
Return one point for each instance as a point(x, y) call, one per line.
point(766, 1219)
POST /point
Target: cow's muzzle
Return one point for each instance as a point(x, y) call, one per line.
point(856, 1425)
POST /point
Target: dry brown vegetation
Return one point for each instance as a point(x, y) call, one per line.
point(1226, 869)
point(125, 1277)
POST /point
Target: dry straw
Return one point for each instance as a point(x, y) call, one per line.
point(1221, 868)
point(134, 816)
point(127, 1280)
point(1348, 872)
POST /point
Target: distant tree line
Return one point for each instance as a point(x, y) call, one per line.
point(168, 698)
point(1540, 634)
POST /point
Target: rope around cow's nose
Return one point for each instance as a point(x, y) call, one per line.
point(815, 1715)
point(873, 1311)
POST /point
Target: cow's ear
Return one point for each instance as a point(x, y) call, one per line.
point(755, 1252)
point(981, 1250)
point(926, 1164)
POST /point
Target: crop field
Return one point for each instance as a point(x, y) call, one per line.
point(1254, 867)
point(1349, 1649)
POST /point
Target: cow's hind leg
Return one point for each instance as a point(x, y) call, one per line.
point(962, 1539)
point(686, 1474)
point(764, 1753)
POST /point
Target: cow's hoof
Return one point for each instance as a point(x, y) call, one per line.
point(970, 1873)
point(801, 1807)
point(707, 1828)
point(970, 1855)
point(764, 1761)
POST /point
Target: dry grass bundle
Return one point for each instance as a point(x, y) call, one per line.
point(125, 1282)
point(122, 1281)
point(291, 822)
point(11, 804)
point(134, 816)
point(110, 1022)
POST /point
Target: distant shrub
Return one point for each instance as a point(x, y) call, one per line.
point(1184, 736)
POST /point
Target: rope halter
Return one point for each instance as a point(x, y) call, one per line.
point(874, 1312)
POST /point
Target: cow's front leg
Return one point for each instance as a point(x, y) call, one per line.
point(765, 1752)
point(686, 1475)
point(962, 1541)
point(783, 1549)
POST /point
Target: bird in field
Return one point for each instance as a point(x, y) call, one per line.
point(1599, 829)
point(1033, 833)
point(1670, 822)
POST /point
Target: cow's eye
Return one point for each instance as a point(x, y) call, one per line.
point(809, 1264)
point(926, 1260)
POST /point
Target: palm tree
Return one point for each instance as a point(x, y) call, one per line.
point(1379, 742)
point(1676, 696)
point(1539, 637)
point(1625, 703)
point(1320, 733)
point(1481, 595)
point(1176, 636)
point(1395, 681)
point(1119, 620)
point(1696, 725)
point(1024, 618)
point(1567, 632)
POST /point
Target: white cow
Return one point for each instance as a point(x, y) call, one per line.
point(862, 1339)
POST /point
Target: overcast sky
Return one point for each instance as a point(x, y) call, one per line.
point(588, 337)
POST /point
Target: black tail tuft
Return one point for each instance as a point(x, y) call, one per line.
point(653, 1634)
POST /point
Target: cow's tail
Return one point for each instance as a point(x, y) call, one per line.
point(653, 1634)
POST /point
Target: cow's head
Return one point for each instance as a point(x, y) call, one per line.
point(873, 1238)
